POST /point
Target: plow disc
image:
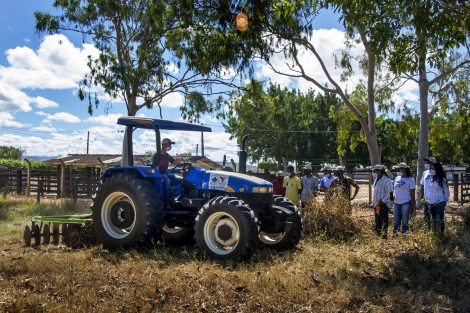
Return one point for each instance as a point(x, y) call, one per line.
point(76, 231)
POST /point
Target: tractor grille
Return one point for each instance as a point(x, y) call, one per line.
point(257, 201)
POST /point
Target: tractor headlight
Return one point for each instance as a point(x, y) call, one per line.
point(262, 189)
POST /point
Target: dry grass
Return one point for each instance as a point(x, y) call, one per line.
point(364, 273)
point(330, 217)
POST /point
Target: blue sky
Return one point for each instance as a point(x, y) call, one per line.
point(39, 74)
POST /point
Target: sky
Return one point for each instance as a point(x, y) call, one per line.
point(41, 113)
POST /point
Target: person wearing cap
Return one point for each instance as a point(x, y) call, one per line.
point(161, 162)
point(327, 179)
point(427, 165)
point(293, 186)
point(381, 202)
point(345, 182)
point(309, 185)
point(278, 188)
point(404, 199)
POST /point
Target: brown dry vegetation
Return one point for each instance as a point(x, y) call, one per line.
point(358, 272)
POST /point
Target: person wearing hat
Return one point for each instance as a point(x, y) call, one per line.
point(404, 199)
point(428, 162)
point(327, 179)
point(381, 202)
point(293, 186)
point(161, 162)
point(278, 188)
point(309, 185)
point(345, 182)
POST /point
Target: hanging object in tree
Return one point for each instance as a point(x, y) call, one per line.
point(241, 21)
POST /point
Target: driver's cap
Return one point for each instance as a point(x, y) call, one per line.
point(167, 141)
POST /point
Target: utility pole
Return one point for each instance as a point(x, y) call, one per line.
point(88, 142)
point(202, 143)
point(197, 149)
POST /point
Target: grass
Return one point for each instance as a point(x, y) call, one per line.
point(358, 272)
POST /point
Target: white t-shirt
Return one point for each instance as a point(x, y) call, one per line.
point(401, 189)
point(433, 192)
point(426, 173)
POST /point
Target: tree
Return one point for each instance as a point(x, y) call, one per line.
point(430, 30)
point(284, 28)
point(149, 49)
point(10, 153)
point(284, 123)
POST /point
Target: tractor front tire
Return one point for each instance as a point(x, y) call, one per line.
point(289, 239)
point(226, 229)
point(127, 211)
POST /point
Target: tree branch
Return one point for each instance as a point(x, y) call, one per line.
point(450, 71)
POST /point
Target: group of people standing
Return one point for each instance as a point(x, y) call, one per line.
point(396, 194)
point(300, 190)
point(401, 192)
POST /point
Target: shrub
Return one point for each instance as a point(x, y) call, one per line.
point(330, 218)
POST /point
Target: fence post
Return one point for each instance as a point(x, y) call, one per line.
point(28, 178)
point(462, 177)
point(62, 180)
point(455, 183)
point(38, 194)
point(19, 181)
point(369, 176)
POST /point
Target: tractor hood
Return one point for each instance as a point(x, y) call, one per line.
point(235, 182)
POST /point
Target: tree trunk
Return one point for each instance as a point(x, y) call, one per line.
point(373, 147)
point(423, 142)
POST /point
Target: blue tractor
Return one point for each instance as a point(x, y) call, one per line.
point(227, 214)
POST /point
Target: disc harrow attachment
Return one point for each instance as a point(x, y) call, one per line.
point(76, 231)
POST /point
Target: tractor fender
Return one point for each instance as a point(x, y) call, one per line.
point(145, 172)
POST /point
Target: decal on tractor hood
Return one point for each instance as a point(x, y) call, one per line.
point(218, 181)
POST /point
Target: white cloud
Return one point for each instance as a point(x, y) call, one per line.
point(172, 68)
point(64, 117)
point(173, 100)
point(13, 99)
point(44, 129)
point(6, 119)
point(57, 64)
point(40, 113)
point(328, 42)
point(107, 120)
point(44, 103)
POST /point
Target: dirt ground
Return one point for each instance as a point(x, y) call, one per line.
point(419, 273)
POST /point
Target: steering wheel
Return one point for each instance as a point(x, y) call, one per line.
point(185, 168)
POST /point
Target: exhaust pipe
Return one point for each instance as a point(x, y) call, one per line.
point(242, 154)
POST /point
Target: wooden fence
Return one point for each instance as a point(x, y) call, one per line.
point(69, 183)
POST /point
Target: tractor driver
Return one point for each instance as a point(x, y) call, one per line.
point(161, 161)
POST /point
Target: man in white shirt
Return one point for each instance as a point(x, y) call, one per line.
point(426, 176)
point(381, 202)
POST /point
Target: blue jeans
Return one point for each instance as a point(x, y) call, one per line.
point(427, 215)
point(400, 216)
point(437, 214)
point(166, 186)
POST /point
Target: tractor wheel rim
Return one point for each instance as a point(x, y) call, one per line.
point(107, 220)
point(218, 245)
point(172, 230)
point(271, 239)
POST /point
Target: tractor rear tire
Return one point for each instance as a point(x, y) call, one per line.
point(177, 235)
point(127, 212)
point(284, 240)
point(226, 229)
